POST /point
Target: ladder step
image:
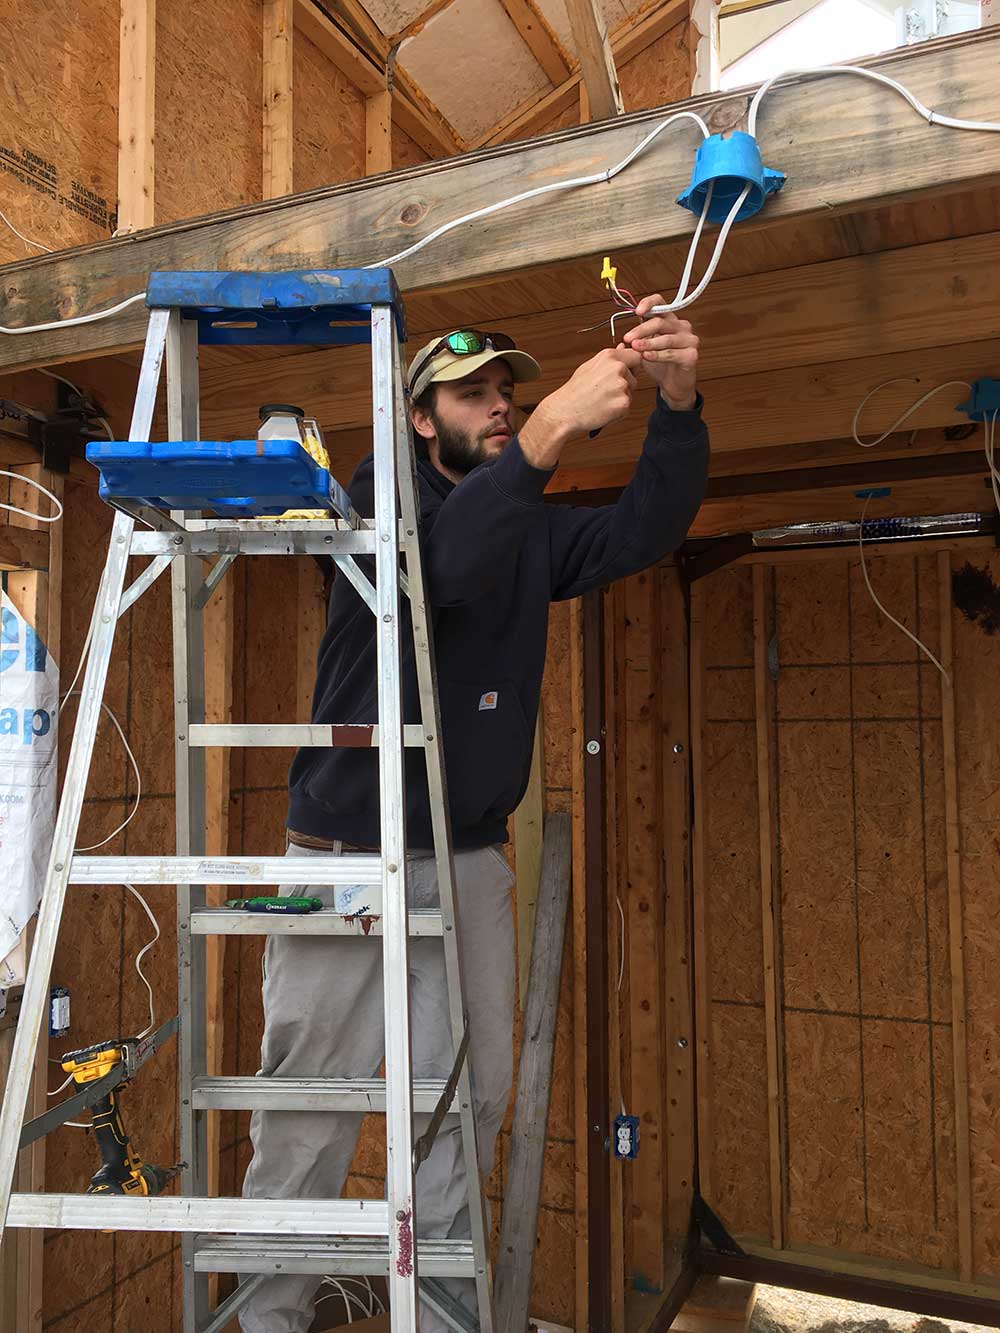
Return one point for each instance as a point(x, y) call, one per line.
point(219, 921)
point(313, 870)
point(285, 1217)
point(270, 1254)
point(315, 538)
point(305, 1094)
point(267, 734)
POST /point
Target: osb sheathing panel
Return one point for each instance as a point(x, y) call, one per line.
point(58, 109)
point(208, 106)
point(864, 995)
point(739, 1118)
point(659, 74)
point(977, 675)
point(329, 121)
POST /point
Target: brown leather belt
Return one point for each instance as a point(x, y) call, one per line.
point(325, 844)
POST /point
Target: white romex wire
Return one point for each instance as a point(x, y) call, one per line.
point(26, 513)
point(932, 117)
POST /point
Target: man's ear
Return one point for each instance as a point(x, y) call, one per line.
point(422, 423)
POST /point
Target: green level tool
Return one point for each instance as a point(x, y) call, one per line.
point(268, 904)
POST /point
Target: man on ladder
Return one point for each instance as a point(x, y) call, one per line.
point(495, 556)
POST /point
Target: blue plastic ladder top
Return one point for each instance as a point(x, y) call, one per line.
point(245, 478)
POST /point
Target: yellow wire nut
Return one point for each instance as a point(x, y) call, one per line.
point(609, 272)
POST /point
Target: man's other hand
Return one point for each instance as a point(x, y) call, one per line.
point(597, 393)
point(669, 352)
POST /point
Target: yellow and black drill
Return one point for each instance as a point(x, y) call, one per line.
point(122, 1169)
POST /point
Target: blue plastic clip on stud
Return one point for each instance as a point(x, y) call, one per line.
point(984, 402)
point(728, 165)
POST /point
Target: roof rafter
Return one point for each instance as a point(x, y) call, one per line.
point(352, 53)
point(628, 41)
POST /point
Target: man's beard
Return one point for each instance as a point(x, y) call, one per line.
point(458, 450)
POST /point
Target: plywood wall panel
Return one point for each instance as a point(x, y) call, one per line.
point(888, 691)
point(729, 694)
point(145, 1301)
point(659, 74)
point(739, 1119)
point(977, 673)
point(729, 618)
point(892, 926)
point(826, 1166)
point(899, 1141)
point(405, 153)
point(269, 649)
point(813, 693)
point(873, 637)
point(935, 872)
point(58, 107)
point(151, 703)
point(329, 121)
point(733, 863)
point(943, 1107)
point(811, 614)
point(208, 106)
point(816, 839)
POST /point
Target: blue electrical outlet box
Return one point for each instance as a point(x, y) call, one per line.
point(625, 1140)
point(984, 402)
point(728, 165)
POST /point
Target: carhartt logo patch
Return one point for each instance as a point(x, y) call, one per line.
point(488, 700)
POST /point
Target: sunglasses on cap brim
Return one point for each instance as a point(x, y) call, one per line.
point(464, 342)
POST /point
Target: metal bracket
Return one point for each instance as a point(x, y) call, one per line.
point(710, 1226)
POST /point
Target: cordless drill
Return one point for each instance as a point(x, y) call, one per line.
point(122, 1169)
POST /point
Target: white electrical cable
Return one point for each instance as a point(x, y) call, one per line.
point(888, 614)
point(21, 236)
point(77, 319)
point(713, 263)
point(135, 769)
point(900, 379)
point(575, 183)
point(932, 117)
point(139, 957)
point(689, 264)
point(26, 513)
point(991, 428)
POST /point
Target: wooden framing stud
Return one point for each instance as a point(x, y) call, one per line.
point(136, 112)
point(956, 935)
point(763, 697)
point(278, 141)
point(597, 63)
point(536, 34)
point(378, 133)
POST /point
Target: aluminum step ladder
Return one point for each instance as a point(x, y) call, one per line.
point(262, 1236)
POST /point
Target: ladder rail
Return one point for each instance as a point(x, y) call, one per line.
point(188, 626)
point(392, 797)
point(440, 821)
point(103, 623)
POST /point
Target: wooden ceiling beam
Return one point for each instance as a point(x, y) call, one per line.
point(540, 38)
point(597, 61)
point(841, 154)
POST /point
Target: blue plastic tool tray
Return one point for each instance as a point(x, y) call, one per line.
point(233, 478)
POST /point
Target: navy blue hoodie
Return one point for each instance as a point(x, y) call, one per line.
point(495, 556)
